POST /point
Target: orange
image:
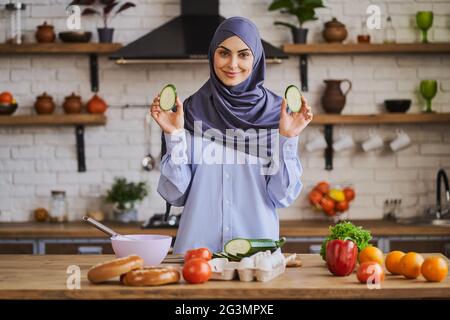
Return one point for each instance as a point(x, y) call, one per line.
point(371, 253)
point(434, 269)
point(411, 264)
point(6, 97)
point(392, 261)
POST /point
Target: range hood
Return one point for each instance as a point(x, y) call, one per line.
point(184, 39)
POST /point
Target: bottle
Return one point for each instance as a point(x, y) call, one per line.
point(58, 206)
point(363, 36)
point(389, 31)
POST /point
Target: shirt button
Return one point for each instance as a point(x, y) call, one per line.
point(227, 201)
point(227, 175)
point(227, 229)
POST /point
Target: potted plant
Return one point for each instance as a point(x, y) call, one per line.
point(104, 8)
point(303, 10)
point(124, 196)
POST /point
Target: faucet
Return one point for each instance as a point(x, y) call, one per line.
point(441, 175)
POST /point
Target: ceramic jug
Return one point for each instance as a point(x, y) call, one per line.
point(333, 99)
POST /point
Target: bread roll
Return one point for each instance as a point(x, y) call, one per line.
point(114, 268)
point(151, 276)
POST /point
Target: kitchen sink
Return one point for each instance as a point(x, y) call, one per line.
point(423, 222)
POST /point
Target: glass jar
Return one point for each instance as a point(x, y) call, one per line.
point(58, 206)
point(390, 35)
point(15, 12)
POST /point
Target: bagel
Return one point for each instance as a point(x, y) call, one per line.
point(110, 269)
point(151, 276)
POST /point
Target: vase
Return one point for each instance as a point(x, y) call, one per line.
point(333, 99)
point(125, 215)
point(299, 35)
point(105, 35)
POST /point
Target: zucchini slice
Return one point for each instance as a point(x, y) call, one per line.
point(168, 97)
point(240, 247)
point(293, 98)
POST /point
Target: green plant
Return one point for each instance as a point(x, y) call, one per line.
point(107, 11)
point(303, 10)
point(123, 192)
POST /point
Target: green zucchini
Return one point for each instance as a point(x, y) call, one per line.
point(168, 97)
point(240, 247)
point(293, 98)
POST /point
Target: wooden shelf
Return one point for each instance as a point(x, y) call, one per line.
point(59, 48)
point(53, 120)
point(361, 48)
point(385, 118)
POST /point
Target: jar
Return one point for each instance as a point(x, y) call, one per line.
point(45, 33)
point(58, 206)
point(334, 31)
point(44, 104)
point(72, 104)
point(15, 12)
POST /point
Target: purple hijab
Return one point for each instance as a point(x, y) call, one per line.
point(247, 105)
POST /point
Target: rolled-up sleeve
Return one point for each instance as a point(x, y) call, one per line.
point(285, 185)
point(176, 172)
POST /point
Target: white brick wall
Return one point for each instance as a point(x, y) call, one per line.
point(35, 160)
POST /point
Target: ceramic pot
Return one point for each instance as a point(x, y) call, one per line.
point(45, 33)
point(299, 35)
point(333, 99)
point(72, 104)
point(44, 104)
point(96, 105)
point(334, 31)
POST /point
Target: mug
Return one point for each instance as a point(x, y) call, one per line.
point(401, 141)
point(345, 142)
point(374, 142)
point(317, 143)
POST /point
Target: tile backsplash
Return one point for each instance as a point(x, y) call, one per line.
point(35, 160)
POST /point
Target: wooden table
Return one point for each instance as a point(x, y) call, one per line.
point(44, 277)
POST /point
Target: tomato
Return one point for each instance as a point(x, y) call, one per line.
point(6, 97)
point(349, 194)
point(327, 204)
point(342, 206)
point(314, 197)
point(202, 253)
point(323, 187)
point(196, 270)
point(370, 272)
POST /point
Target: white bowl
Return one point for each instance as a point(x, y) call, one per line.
point(152, 248)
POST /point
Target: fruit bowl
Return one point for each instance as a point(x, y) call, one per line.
point(332, 200)
point(7, 109)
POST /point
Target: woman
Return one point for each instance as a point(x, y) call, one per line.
point(222, 200)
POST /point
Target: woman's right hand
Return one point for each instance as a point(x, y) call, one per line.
point(169, 121)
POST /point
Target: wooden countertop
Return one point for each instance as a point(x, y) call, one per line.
point(44, 277)
point(292, 228)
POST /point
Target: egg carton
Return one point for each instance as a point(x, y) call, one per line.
point(263, 266)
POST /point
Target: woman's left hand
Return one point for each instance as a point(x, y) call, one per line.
point(291, 124)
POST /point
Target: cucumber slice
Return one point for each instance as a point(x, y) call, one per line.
point(293, 98)
point(168, 97)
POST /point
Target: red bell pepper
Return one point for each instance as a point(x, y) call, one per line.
point(341, 257)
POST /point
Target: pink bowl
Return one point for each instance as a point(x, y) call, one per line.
point(150, 247)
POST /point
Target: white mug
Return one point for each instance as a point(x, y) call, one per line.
point(317, 143)
point(374, 142)
point(402, 141)
point(345, 142)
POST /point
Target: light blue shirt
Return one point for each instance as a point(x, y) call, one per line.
point(225, 201)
